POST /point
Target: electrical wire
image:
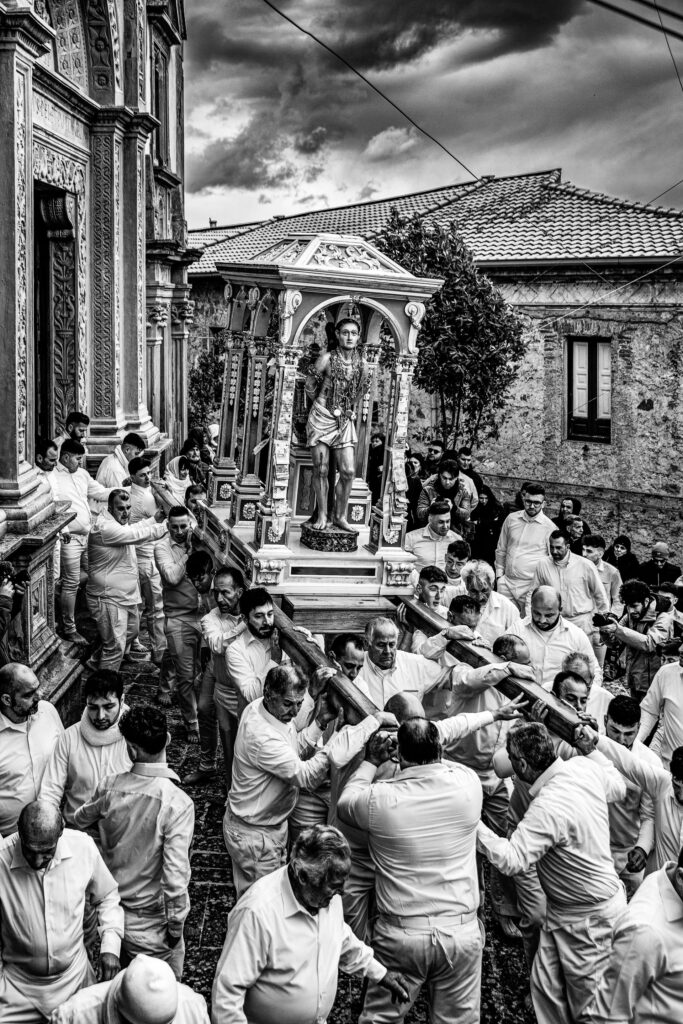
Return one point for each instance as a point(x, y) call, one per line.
point(633, 17)
point(375, 88)
point(668, 45)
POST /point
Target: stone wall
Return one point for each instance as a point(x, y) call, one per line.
point(632, 484)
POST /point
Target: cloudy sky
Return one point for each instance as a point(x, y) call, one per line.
point(275, 125)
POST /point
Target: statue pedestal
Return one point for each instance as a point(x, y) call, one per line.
point(329, 539)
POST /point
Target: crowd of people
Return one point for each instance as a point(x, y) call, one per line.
point(366, 843)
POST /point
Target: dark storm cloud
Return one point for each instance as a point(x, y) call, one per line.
point(243, 57)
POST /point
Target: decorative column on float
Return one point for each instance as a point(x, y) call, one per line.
point(388, 518)
point(360, 499)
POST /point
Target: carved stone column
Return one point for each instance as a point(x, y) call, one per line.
point(157, 320)
point(107, 419)
point(225, 467)
point(133, 361)
point(23, 38)
point(182, 317)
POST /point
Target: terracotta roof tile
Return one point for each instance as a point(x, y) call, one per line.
point(524, 218)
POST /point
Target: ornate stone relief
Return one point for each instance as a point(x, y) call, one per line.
point(103, 44)
point(141, 274)
point(346, 257)
point(63, 267)
point(105, 283)
point(70, 41)
point(22, 264)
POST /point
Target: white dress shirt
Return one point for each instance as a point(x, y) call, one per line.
point(663, 703)
point(146, 825)
point(220, 632)
point(280, 963)
point(565, 832)
point(76, 766)
point(656, 782)
point(577, 581)
point(112, 562)
point(181, 597)
point(412, 673)
point(421, 827)
point(25, 748)
point(97, 1005)
point(498, 616)
point(631, 819)
point(549, 648)
point(428, 547)
point(643, 981)
point(77, 488)
point(267, 768)
point(248, 661)
point(610, 577)
point(143, 506)
point(113, 469)
point(522, 543)
point(41, 916)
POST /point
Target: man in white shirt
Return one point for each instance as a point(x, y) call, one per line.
point(550, 638)
point(146, 824)
point(610, 577)
point(598, 697)
point(47, 457)
point(565, 832)
point(255, 651)
point(113, 588)
point(143, 506)
point(114, 469)
point(145, 992)
point(47, 874)
point(522, 543)
point(29, 729)
point(430, 543)
point(575, 579)
point(422, 827)
point(89, 750)
point(287, 940)
point(643, 979)
point(663, 704)
point(218, 700)
point(75, 429)
point(73, 484)
point(273, 760)
point(497, 613)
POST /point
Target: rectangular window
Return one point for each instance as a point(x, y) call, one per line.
point(589, 379)
point(160, 106)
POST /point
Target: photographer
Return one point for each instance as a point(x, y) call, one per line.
point(12, 587)
point(644, 625)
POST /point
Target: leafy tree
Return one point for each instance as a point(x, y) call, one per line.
point(470, 343)
point(205, 386)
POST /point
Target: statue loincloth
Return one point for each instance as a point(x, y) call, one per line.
point(323, 428)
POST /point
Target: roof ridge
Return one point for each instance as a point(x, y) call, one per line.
point(224, 227)
point(608, 200)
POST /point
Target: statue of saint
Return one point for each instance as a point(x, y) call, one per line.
point(335, 383)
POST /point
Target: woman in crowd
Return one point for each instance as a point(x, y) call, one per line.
point(620, 555)
point(488, 520)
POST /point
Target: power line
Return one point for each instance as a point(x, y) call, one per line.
point(653, 5)
point(631, 15)
point(375, 88)
point(668, 45)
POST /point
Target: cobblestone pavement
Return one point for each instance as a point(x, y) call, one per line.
point(212, 895)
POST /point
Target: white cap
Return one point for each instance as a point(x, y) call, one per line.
point(148, 993)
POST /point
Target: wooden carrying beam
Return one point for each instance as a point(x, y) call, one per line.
point(561, 718)
point(308, 656)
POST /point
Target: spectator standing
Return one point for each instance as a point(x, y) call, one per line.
point(73, 484)
point(29, 729)
point(197, 470)
point(569, 507)
point(488, 521)
point(575, 579)
point(75, 429)
point(47, 875)
point(47, 457)
point(144, 507)
point(435, 450)
point(467, 470)
point(430, 543)
point(376, 466)
point(114, 470)
point(177, 479)
point(146, 824)
point(659, 569)
point(662, 707)
point(642, 627)
point(523, 542)
point(446, 485)
point(113, 588)
point(619, 555)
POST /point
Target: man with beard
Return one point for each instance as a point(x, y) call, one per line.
point(181, 608)
point(550, 638)
point(218, 702)
point(523, 542)
point(114, 470)
point(29, 729)
point(275, 757)
point(576, 579)
point(446, 484)
point(430, 543)
point(88, 750)
point(255, 651)
point(143, 506)
point(642, 628)
point(113, 589)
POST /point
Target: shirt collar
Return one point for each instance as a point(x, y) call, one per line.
point(62, 852)
point(672, 902)
point(290, 904)
point(381, 672)
point(17, 726)
point(545, 777)
point(154, 770)
point(274, 722)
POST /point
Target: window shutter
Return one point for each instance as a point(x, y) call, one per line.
point(580, 382)
point(604, 411)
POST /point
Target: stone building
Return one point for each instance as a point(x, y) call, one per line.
point(597, 411)
point(93, 249)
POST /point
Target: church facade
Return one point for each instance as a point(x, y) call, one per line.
point(93, 249)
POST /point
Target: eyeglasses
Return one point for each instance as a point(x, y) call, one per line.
point(533, 504)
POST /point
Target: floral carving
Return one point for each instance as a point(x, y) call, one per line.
point(345, 257)
point(249, 510)
point(21, 255)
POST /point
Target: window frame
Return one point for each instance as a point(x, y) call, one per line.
point(590, 428)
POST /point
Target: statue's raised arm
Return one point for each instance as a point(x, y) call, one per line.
point(335, 384)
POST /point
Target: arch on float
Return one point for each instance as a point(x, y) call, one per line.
point(380, 314)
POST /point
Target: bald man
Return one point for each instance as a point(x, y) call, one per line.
point(550, 637)
point(29, 729)
point(146, 992)
point(46, 875)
